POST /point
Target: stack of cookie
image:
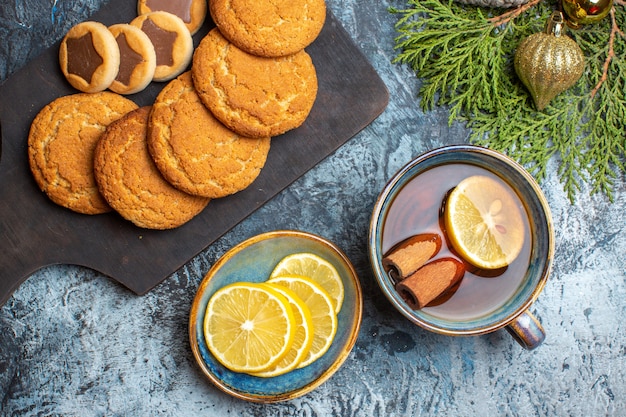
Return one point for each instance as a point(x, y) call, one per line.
point(252, 71)
point(126, 57)
point(207, 134)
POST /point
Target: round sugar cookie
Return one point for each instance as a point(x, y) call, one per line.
point(194, 151)
point(172, 42)
point(251, 95)
point(61, 144)
point(269, 28)
point(132, 184)
point(192, 12)
point(89, 57)
point(137, 59)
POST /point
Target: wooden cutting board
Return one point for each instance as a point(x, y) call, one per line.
point(34, 232)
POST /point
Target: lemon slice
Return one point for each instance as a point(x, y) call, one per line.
point(322, 313)
point(316, 268)
point(484, 222)
point(248, 327)
point(303, 337)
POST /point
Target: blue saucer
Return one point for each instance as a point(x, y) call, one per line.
point(253, 260)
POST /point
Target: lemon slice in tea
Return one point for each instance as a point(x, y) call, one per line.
point(322, 313)
point(484, 223)
point(316, 268)
point(248, 327)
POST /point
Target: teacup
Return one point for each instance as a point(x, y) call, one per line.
point(412, 202)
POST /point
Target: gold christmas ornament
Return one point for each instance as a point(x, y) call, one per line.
point(549, 62)
point(582, 12)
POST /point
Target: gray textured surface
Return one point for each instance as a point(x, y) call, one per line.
point(73, 343)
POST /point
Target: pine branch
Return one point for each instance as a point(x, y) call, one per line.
point(464, 56)
point(611, 53)
point(458, 64)
point(506, 17)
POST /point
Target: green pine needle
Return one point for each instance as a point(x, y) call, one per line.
point(466, 63)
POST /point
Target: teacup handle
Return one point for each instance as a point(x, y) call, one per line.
point(527, 331)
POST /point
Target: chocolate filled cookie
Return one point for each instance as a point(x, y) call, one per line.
point(252, 95)
point(172, 43)
point(192, 12)
point(132, 184)
point(194, 151)
point(269, 28)
point(89, 57)
point(61, 145)
point(137, 59)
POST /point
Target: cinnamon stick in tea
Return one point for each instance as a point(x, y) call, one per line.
point(430, 281)
point(411, 254)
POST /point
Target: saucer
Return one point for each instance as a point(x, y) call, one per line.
point(253, 260)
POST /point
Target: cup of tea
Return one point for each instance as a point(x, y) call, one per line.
point(426, 251)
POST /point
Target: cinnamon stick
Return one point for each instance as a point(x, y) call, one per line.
point(411, 254)
point(430, 281)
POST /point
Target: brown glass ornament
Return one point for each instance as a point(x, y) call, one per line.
point(549, 62)
point(582, 12)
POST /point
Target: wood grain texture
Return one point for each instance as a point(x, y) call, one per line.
point(35, 232)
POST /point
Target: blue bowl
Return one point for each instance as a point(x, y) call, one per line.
point(253, 260)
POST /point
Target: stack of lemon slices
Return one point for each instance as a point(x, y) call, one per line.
point(287, 322)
